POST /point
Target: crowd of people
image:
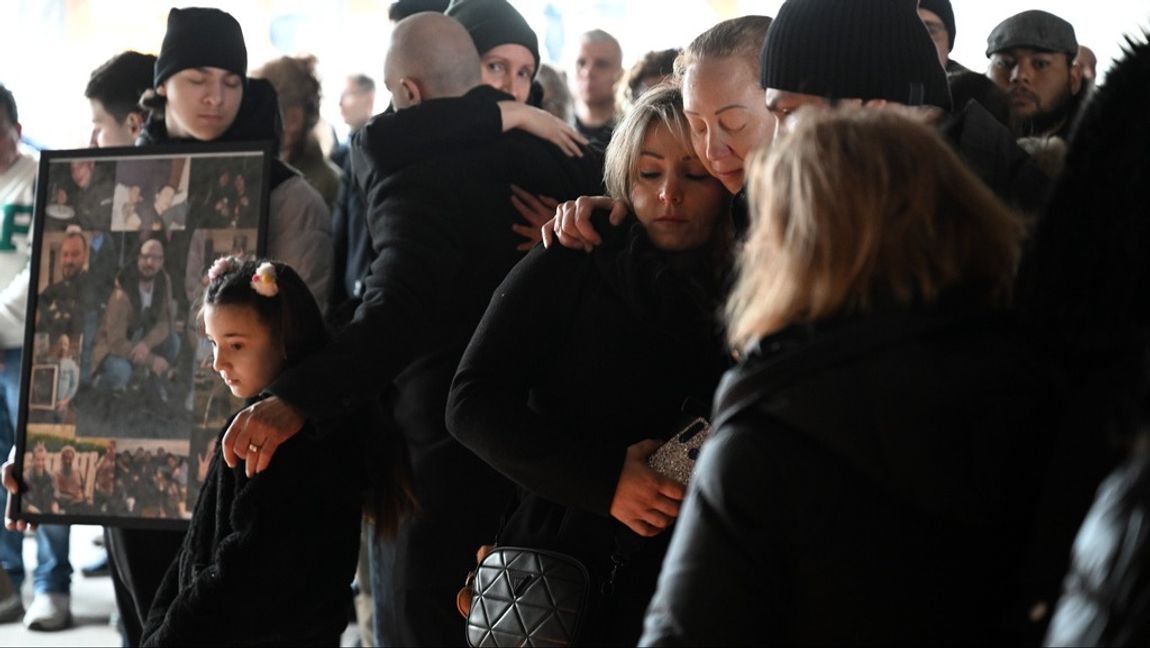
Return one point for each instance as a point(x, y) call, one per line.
point(108, 483)
point(904, 298)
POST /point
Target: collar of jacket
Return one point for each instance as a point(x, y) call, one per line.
point(780, 359)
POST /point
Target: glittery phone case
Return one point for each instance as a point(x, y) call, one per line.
point(676, 458)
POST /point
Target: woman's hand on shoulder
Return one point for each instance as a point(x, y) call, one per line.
point(257, 431)
point(645, 501)
point(571, 224)
point(543, 125)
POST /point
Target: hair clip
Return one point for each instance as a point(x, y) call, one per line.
point(264, 280)
point(221, 267)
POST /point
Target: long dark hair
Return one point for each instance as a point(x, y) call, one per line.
point(292, 316)
point(294, 321)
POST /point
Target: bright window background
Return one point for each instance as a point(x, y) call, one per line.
point(50, 46)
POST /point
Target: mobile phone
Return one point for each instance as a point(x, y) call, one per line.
point(676, 458)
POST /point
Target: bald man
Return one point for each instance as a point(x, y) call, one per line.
point(441, 227)
point(414, 73)
point(598, 69)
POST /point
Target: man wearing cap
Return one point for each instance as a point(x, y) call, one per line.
point(938, 18)
point(876, 52)
point(1032, 57)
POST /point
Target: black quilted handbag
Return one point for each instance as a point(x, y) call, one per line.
point(527, 597)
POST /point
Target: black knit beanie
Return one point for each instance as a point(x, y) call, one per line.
point(943, 10)
point(854, 49)
point(201, 38)
point(494, 22)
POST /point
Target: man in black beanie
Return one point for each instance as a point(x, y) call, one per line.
point(185, 46)
point(938, 16)
point(878, 53)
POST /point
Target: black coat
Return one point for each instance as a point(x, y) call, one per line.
point(870, 482)
point(351, 242)
point(442, 238)
point(989, 149)
point(267, 560)
point(578, 357)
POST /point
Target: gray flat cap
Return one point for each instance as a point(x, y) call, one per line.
point(1034, 29)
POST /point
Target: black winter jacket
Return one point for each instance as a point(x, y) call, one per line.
point(989, 149)
point(266, 561)
point(578, 357)
point(442, 238)
point(870, 482)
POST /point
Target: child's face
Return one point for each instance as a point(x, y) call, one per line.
point(243, 351)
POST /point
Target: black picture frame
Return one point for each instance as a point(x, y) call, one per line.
point(135, 404)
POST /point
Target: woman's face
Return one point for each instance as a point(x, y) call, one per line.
point(202, 102)
point(243, 351)
point(672, 194)
point(509, 68)
point(728, 117)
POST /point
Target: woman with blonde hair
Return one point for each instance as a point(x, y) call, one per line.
point(727, 118)
point(871, 475)
point(568, 395)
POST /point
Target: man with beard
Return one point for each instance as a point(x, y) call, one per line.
point(73, 305)
point(61, 310)
point(1032, 57)
point(137, 327)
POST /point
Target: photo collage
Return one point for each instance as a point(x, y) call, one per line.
point(123, 407)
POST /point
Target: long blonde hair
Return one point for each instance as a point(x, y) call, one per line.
point(858, 206)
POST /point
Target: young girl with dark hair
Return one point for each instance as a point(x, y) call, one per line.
point(249, 571)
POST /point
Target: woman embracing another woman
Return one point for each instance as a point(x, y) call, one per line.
point(581, 366)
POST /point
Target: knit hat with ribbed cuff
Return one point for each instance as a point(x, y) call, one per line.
point(494, 22)
point(945, 12)
point(199, 37)
point(854, 49)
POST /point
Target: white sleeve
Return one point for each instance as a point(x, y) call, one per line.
point(13, 308)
